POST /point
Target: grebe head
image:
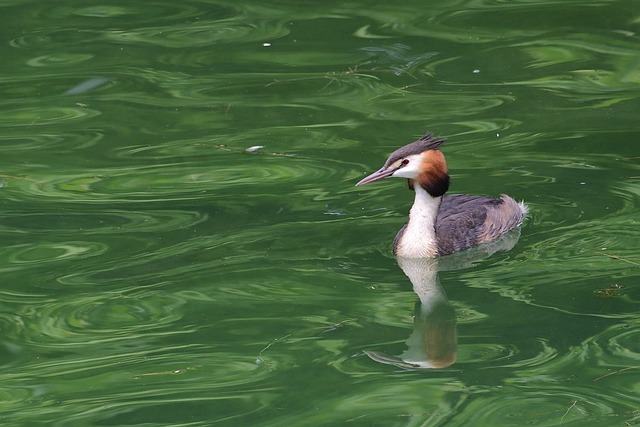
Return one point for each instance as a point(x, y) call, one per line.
point(420, 162)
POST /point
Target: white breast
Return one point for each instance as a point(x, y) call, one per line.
point(419, 238)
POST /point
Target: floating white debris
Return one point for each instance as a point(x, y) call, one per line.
point(88, 85)
point(476, 71)
point(253, 149)
point(266, 44)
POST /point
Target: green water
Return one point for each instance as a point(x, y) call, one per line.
point(155, 273)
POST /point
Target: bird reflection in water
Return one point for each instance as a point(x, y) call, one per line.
point(434, 341)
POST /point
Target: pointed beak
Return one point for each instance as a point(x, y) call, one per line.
point(382, 173)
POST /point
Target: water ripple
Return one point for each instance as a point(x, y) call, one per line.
point(58, 59)
point(615, 348)
point(45, 115)
point(200, 33)
point(50, 143)
point(103, 222)
point(82, 321)
point(170, 182)
point(552, 406)
point(53, 252)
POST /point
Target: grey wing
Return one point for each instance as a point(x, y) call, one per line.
point(460, 221)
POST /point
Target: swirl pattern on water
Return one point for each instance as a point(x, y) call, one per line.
point(204, 33)
point(46, 116)
point(103, 222)
point(54, 252)
point(159, 184)
point(99, 320)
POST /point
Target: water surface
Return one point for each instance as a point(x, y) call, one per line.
point(156, 272)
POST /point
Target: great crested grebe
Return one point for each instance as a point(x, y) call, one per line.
point(439, 224)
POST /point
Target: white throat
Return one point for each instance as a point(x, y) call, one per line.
point(419, 238)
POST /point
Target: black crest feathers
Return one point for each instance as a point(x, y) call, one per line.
point(427, 142)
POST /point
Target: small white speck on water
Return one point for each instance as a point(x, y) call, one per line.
point(476, 71)
point(253, 148)
point(497, 135)
point(266, 44)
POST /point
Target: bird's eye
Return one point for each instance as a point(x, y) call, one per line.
point(405, 162)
